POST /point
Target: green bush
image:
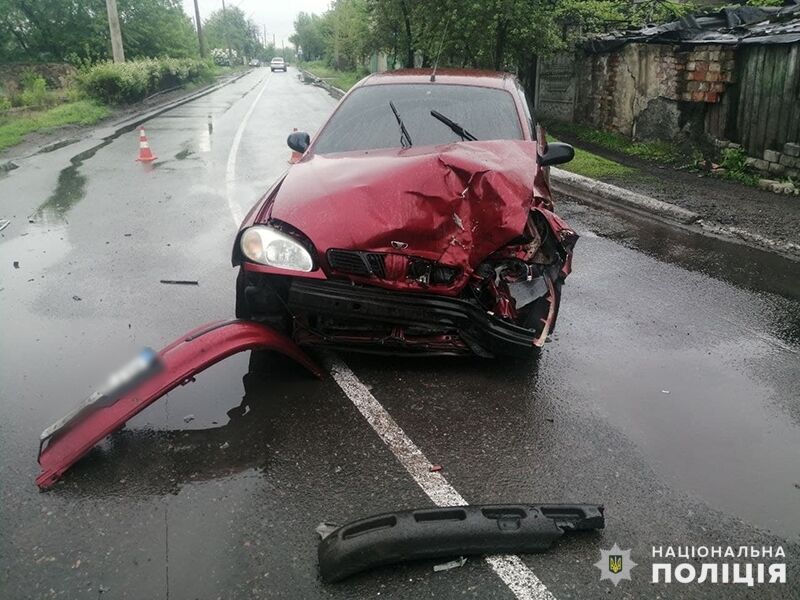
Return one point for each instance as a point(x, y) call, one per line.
point(5, 103)
point(735, 166)
point(34, 91)
point(120, 83)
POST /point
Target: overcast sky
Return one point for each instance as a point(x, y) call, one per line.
point(277, 15)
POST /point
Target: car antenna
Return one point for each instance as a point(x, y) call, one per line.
point(439, 53)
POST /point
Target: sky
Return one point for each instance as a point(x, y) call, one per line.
point(277, 15)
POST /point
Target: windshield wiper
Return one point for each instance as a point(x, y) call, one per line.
point(405, 139)
point(455, 127)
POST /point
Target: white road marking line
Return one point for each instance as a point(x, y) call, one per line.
point(230, 170)
point(514, 573)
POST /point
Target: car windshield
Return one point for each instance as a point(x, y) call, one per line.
point(365, 120)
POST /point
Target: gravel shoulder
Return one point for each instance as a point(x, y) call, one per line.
point(728, 203)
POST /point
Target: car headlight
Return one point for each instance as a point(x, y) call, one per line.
point(269, 246)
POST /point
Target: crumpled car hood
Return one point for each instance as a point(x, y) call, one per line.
point(453, 204)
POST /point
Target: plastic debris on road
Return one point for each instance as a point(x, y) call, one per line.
point(180, 281)
point(453, 564)
point(324, 529)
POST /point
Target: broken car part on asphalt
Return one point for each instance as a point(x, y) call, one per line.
point(453, 564)
point(146, 380)
point(180, 281)
point(450, 531)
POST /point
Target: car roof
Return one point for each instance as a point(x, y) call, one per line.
point(474, 77)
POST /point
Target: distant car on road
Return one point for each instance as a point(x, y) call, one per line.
point(418, 221)
point(277, 64)
point(255, 63)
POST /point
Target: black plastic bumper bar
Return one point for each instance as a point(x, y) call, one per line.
point(492, 336)
point(449, 532)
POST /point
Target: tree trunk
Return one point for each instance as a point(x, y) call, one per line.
point(199, 25)
point(409, 40)
point(500, 45)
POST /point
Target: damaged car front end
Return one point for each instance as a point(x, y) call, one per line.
point(386, 245)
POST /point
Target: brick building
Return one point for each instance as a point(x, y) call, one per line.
point(729, 78)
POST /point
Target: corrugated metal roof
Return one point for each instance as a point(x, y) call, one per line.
point(731, 26)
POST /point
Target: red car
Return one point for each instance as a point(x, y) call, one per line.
point(419, 220)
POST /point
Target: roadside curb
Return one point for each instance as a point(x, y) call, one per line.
point(126, 124)
point(309, 77)
point(138, 119)
point(601, 194)
point(788, 249)
point(582, 187)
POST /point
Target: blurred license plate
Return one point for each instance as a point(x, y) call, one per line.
point(120, 382)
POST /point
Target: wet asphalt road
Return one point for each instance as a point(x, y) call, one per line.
point(670, 394)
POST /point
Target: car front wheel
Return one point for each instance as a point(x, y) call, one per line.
point(262, 298)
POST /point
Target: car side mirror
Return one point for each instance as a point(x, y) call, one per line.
point(557, 153)
point(299, 141)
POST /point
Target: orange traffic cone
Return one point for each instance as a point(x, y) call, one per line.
point(145, 154)
point(296, 156)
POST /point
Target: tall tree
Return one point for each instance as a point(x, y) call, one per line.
point(233, 27)
point(309, 35)
point(349, 33)
point(77, 30)
point(498, 34)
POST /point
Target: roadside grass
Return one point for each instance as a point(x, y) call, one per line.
point(659, 151)
point(81, 112)
point(343, 80)
point(594, 166)
point(732, 162)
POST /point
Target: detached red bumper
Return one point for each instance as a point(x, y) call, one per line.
point(180, 361)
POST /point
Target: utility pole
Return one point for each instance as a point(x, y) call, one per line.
point(265, 35)
point(116, 35)
point(199, 30)
point(227, 37)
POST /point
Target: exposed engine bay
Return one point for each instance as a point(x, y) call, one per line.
point(522, 281)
